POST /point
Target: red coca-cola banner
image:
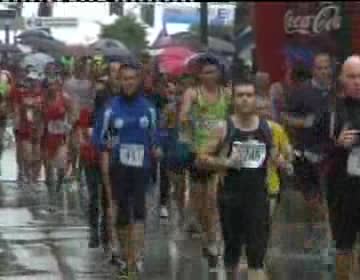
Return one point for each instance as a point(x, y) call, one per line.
point(288, 33)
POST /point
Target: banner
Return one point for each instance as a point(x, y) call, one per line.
point(290, 33)
point(220, 15)
point(311, 27)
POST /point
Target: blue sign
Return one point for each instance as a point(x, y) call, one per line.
point(220, 16)
point(184, 16)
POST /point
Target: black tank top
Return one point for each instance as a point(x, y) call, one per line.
point(248, 180)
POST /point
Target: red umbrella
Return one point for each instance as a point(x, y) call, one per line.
point(173, 60)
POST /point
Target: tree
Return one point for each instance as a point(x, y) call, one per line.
point(128, 31)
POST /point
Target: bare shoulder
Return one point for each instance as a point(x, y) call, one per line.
point(190, 93)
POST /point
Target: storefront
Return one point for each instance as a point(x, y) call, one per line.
point(291, 32)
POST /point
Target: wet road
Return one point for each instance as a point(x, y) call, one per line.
point(38, 245)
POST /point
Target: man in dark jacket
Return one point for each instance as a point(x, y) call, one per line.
point(343, 127)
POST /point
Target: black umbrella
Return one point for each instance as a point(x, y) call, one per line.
point(110, 48)
point(52, 47)
point(34, 33)
point(108, 43)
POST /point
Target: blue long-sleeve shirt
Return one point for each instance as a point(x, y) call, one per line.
point(129, 126)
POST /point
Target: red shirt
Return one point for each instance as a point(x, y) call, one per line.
point(30, 106)
point(55, 116)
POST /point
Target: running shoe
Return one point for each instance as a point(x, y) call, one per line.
point(164, 213)
point(116, 260)
point(211, 253)
point(127, 274)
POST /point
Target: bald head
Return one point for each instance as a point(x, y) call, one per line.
point(350, 62)
point(350, 76)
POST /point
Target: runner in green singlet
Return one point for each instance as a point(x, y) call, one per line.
point(207, 105)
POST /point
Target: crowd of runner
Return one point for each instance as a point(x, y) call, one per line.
point(233, 149)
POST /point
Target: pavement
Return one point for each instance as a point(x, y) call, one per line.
point(38, 245)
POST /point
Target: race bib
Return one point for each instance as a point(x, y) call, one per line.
point(353, 162)
point(132, 155)
point(252, 154)
point(29, 115)
point(57, 127)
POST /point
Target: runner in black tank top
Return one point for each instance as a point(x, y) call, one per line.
point(241, 148)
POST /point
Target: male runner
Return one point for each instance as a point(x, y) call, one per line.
point(207, 105)
point(241, 148)
point(129, 123)
point(344, 175)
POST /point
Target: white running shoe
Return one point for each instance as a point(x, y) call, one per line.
point(164, 213)
point(213, 249)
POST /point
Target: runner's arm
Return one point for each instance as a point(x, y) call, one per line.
point(209, 159)
point(105, 172)
point(187, 101)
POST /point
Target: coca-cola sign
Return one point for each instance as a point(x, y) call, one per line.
point(326, 19)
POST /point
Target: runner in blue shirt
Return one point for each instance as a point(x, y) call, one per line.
point(128, 143)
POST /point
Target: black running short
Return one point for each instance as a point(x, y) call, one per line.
point(244, 221)
point(129, 185)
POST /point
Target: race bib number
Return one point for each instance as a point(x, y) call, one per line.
point(57, 127)
point(252, 154)
point(132, 155)
point(353, 163)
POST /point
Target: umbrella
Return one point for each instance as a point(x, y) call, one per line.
point(78, 51)
point(46, 45)
point(110, 47)
point(34, 33)
point(108, 43)
point(163, 42)
point(38, 61)
point(191, 40)
point(110, 52)
point(173, 60)
point(193, 61)
point(220, 46)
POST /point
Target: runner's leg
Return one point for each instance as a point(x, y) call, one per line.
point(61, 163)
point(19, 156)
point(2, 133)
point(92, 175)
point(28, 159)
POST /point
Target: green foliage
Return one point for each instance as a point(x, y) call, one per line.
point(128, 31)
point(221, 32)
